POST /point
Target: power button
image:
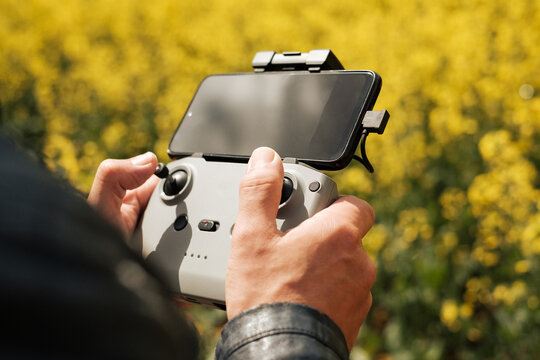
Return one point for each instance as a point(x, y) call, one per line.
point(208, 225)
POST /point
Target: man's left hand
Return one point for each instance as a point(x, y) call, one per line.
point(122, 188)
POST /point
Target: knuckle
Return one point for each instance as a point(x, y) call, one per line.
point(359, 214)
point(250, 241)
point(349, 232)
point(261, 182)
point(369, 301)
point(369, 213)
point(261, 176)
point(241, 231)
point(106, 169)
point(244, 230)
point(361, 210)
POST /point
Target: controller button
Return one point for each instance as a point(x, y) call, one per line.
point(161, 171)
point(314, 186)
point(208, 225)
point(175, 182)
point(287, 190)
point(180, 222)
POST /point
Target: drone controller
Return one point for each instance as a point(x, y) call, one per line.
point(321, 115)
point(186, 229)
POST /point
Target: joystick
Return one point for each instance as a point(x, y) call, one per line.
point(175, 182)
point(287, 190)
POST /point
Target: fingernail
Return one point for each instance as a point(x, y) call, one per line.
point(143, 159)
point(261, 157)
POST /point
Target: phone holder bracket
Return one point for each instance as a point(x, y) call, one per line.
point(372, 122)
point(314, 61)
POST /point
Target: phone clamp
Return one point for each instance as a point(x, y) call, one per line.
point(314, 61)
point(373, 122)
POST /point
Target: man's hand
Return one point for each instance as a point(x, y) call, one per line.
point(122, 188)
point(320, 263)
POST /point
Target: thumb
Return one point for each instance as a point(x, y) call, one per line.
point(260, 193)
point(115, 177)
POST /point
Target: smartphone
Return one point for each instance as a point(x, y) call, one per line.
point(315, 118)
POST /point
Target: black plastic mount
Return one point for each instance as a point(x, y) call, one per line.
point(314, 61)
point(373, 122)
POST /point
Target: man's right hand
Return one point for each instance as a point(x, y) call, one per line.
point(320, 263)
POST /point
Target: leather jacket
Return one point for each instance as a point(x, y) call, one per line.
point(281, 331)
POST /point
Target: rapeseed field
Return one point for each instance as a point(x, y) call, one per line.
point(456, 187)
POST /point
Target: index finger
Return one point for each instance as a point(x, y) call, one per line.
point(348, 217)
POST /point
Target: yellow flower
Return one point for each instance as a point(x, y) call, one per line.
point(474, 334)
point(466, 310)
point(449, 312)
point(452, 202)
point(522, 266)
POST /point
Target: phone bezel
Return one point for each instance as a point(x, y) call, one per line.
point(333, 164)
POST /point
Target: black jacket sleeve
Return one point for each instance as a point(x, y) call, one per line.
point(281, 331)
point(70, 286)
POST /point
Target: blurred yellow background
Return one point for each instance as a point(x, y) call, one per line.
point(456, 187)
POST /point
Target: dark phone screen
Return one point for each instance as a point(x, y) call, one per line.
point(300, 115)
